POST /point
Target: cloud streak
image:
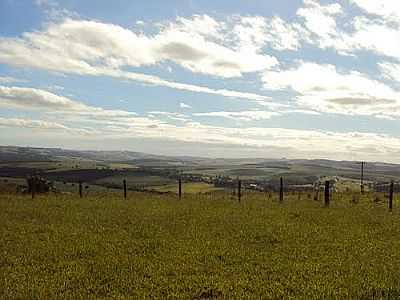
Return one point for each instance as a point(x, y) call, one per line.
point(252, 115)
point(41, 100)
point(98, 124)
point(41, 125)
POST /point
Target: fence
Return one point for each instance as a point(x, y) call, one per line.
point(37, 185)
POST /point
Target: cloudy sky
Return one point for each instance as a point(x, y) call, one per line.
point(289, 78)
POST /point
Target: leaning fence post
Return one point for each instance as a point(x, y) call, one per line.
point(327, 200)
point(180, 188)
point(80, 189)
point(239, 187)
point(281, 191)
point(124, 189)
point(391, 196)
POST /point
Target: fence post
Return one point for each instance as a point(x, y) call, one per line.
point(316, 192)
point(327, 200)
point(281, 191)
point(125, 189)
point(33, 186)
point(80, 189)
point(391, 196)
point(239, 187)
point(180, 188)
point(362, 178)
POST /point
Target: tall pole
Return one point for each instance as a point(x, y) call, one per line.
point(281, 190)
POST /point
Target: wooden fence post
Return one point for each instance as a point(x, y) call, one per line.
point(124, 189)
point(33, 186)
point(327, 200)
point(180, 188)
point(391, 196)
point(362, 178)
point(239, 187)
point(316, 192)
point(80, 189)
point(281, 191)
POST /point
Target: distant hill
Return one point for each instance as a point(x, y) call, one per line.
point(21, 154)
point(20, 159)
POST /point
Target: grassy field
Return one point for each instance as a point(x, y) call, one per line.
point(188, 188)
point(202, 247)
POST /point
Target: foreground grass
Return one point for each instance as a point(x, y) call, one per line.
point(202, 247)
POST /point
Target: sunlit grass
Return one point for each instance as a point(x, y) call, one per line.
point(203, 246)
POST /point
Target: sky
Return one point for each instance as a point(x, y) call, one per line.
point(269, 79)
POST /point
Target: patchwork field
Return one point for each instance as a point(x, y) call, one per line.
point(188, 188)
point(202, 247)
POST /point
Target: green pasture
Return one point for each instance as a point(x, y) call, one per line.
point(205, 246)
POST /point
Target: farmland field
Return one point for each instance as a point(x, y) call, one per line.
point(202, 247)
point(189, 188)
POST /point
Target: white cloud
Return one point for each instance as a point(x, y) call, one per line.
point(198, 45)
point(88, 45)
point(94, 48)
point(41, 100)
point(46, 3)
point(16, 122)
point(385, 117)
point(288, 142)
point(385, 8)
point(324, 88)
point(170, 115)
point(252, 115)
point(40, 124)
point(285, 36)
point(375, 36)
point(390, 70)
point(376, 32)
point(7, 79)
point(301, 111)
point(229, 47)
point(184, 105)
point(250, 33)
point(54, 11)
point(321, 20)
point(157, 81)
point(280, 141)
point(55, 88)
point(253, 33)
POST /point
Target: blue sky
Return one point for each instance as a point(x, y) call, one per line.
point(297, 79)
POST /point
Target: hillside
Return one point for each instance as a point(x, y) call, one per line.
point(109, 168)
